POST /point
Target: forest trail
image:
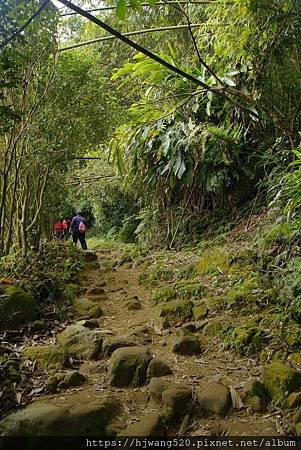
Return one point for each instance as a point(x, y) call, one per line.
point(143, 327)
point(130, 318)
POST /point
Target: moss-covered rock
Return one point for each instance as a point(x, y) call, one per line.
point(158, 368)
point(176, 311)
point(50, 357)
point(255, 395)
point(212, 328)
point(80, 413)
point(199, 312)
point(86, 308)
point(215, 397)
point(186, 343)
point(72, 379)
point(245, 339)
point(280, 380)
point(295, 358)
point(81, 342)
point(16, 307)
point(292, 335)
point(172, 397)
point(128, 366)
point(293, 400)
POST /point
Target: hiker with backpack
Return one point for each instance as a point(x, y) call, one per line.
point(78, 229)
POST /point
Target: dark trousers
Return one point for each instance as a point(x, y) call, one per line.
point(81, 237)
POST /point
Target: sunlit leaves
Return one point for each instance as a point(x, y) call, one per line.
point(121, 9)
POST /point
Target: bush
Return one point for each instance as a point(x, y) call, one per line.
point(112, 206)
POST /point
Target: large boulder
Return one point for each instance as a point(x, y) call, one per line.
point(16, 307)
point(50, 357)
point(81, 342)
point(80, 413)
point(280, 380)
point(215, 397)
point(128, 366)
point(186, 343)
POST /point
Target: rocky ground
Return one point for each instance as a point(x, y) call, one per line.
point(126, 365)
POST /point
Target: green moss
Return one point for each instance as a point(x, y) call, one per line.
point(164, 294)
point(71, 291)
point(16, 307)
point(183, 289)
point(200, 312)
point(245, 340)
point(51, 358)
point(245, 291)
point(280, 380)
point(179, 310)
point(215, 262)
point(292, 336)
point(87, 308)
point(295, 357)
point(212, 328)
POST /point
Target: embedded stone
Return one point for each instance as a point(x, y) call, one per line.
point(110, 345)
point(149, 425)
point(81, 413)
point(186, 343)
point(16, 306)
point(280, 380)
point(87, 308)
point(293, 400)
point(128, 366)
point(81, 342)
point(50, 357)
point(215, 397)
point(158, 368)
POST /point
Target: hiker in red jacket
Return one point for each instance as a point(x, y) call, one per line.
point(58, 230)
point(78, 229)
point(66, 227)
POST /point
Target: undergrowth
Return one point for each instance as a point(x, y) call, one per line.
point(45, 274)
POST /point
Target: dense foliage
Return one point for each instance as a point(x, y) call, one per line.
point(175, 148)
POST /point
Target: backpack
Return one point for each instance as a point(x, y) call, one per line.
point(82, 227)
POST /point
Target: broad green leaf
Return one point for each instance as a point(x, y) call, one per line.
point(121, 9)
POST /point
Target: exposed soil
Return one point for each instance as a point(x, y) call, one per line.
point(213, 365)
point(142, 327)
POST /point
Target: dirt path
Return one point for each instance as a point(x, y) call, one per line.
point(122, 326)
point(212, 365)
